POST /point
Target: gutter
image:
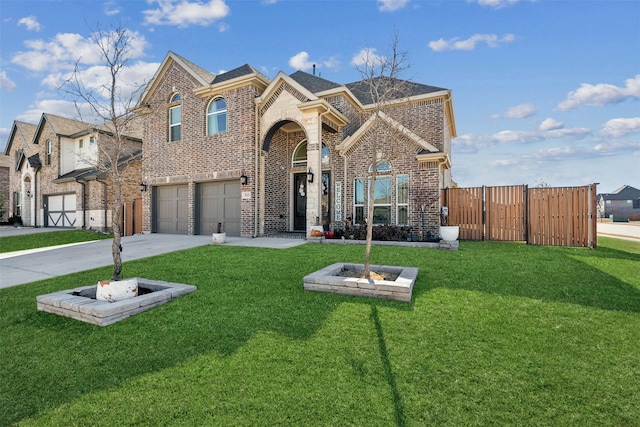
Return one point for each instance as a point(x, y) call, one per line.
point(84, 203)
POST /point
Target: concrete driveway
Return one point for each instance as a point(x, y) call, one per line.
point(21, 267)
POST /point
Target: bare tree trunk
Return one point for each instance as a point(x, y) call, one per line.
point(116, 245)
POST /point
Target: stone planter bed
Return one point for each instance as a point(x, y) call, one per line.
point(332, 279)
point(80, 303)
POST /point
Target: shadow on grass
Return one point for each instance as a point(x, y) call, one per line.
point(388, 371)
point(49, 360)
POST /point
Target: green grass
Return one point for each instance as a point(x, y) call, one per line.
point(53, 238)
point(496, 334)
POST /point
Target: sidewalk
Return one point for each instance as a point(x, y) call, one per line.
point(620, 230)
point(45, 263)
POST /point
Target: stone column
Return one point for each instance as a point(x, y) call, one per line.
point(313, 126)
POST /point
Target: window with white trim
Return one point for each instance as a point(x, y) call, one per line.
point(175, 119)
point(402, 199)
point(49, 151)
point(382, 197)
point(217, 116)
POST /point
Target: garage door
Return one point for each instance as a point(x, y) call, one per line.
point(60, 210)
point(219, 202)
point(171, 209)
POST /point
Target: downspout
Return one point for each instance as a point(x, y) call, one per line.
point(256, 179)
point(84, 203)
point(35, 198)
point(106, 204)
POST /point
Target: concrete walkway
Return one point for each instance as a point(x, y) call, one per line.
point(21, 267)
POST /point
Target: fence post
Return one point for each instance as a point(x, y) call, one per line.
point(484, 213)
point(526, 213)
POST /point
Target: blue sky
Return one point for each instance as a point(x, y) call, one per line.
point(544, 91)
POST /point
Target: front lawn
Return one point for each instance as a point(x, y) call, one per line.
point(53, 238)
point(496, 334)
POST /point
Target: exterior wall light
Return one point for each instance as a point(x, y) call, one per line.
point(143, 187)
point(309, 175)
point(244, 179)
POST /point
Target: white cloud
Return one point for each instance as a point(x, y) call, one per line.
point(550, 124)
point(366, 56)
point(456, 43)
point(111, 8)
point(601, 94)
point(30, 22)
point(616, 128)
point(182, 13)
point(52, 106)
point(470, 143)
point(518, 112)
point(496, 4)
point(391, 5)
point(64, 49)
point(6, 83)
point(300, 61)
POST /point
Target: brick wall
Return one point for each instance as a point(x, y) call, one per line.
point(198, 157)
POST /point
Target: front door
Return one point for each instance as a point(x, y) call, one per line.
point(300, 202)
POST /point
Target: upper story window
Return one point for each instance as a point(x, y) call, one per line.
point(175, 118)
point(92, 140)
point(81, 144)
point(300, 155)
point(49, 151)
point(217, 116)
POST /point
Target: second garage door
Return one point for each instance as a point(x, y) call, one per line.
point(60, 210)
point(219, 202)
point(172, 209)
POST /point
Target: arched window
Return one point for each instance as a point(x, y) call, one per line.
point(300, 155)
point(217, 116)
point(175, 118)
point(382, 166)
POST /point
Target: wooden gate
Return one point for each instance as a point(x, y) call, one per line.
point(132, 218)
point(562, 216)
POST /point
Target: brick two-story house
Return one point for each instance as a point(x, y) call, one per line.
point(623, 201)
point(265, 156)
point(54, 179)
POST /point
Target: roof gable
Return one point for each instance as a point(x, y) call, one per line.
point(21, 132)
point(379, 115)
point(202, 76)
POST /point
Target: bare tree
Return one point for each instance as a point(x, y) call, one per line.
point(109, 101)
point(382, 84)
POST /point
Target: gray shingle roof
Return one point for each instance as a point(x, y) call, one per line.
point(626, 192)
point(360, 89)
point(243, 70)
point(313, 84)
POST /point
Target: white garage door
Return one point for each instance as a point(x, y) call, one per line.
point(61, 210)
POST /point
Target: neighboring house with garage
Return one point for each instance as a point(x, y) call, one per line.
point(623, 202)
point(55, 180)
point(265, 157)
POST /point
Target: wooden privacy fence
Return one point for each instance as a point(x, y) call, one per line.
point(558, 216)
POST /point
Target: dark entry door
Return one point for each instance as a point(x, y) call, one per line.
point(300, 202)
